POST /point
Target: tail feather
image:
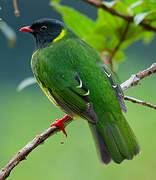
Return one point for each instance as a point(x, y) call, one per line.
point(112, 145)
point(117, 138)
point(102, 149)
point(121, 142)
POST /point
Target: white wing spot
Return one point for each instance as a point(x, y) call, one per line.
point(108, 75)
point(80, 86)
point(114, 86)
point(86, 94)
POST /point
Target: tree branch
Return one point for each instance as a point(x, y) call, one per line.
point(137, 101)
point(135, 78)
point(16, 10)
point(99, 4)
point(25, 151)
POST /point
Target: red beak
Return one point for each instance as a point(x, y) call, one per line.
point(27, 29)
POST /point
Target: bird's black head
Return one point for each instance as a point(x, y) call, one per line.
point(45, 31)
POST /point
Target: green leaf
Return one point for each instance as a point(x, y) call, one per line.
point(119, 56)
point(148, 36)
point(111, 23)
point(97, 41)
point(112, 43)
point(79, 23)
point(106, 33)
point(121, 7)
point(145, 6)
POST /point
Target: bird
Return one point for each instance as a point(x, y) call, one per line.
point(75, 78)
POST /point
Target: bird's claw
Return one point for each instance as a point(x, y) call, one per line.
point(59, 123)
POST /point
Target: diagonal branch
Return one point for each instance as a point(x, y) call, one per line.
point(25, 151)
point(99, 4)
point(137, 101)
point(135, 78)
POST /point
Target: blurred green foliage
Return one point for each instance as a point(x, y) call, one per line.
point(109, 32)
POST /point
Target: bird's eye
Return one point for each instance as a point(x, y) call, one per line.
point(43, 28)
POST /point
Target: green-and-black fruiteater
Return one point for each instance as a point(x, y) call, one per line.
point(73, 76)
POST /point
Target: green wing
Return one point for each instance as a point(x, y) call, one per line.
point(116, 87)
point(70, 94)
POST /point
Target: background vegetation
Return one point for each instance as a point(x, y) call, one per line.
point(24, 115)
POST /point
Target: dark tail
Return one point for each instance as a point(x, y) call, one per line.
point(101, 147)
point(114, 141)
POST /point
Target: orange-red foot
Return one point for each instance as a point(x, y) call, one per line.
point(59, 123)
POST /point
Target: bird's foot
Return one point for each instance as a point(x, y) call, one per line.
point(59, 123)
